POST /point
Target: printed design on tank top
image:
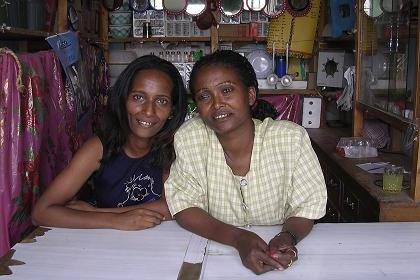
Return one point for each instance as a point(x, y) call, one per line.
point(138, 188)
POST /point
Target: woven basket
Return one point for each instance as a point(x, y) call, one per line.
point(301, 31)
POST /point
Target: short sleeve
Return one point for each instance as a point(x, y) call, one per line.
point(307, 198)
point(185, 188)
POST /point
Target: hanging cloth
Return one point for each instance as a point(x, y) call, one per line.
point(10, 141)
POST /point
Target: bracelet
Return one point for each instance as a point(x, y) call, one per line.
point(291, 234)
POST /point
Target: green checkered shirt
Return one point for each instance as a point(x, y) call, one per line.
point(284, 180)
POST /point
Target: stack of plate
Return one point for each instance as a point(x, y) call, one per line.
point(120, 24)
point(262, 63)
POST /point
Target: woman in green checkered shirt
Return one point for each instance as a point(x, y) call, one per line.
point(232, 170)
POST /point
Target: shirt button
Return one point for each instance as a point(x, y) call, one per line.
point(243, 182)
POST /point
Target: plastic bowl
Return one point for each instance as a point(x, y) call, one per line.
point(120, 18)
point(120, 31)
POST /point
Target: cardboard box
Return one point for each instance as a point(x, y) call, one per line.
point(331, 68)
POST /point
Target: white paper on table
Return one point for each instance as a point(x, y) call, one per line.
point(374, 167)
point(196, 249)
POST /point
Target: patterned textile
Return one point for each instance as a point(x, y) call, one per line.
point(58, 119)
point(377, 132)
point(10, 141)
point(284, 180)
point(288, 106)
point(39, 130)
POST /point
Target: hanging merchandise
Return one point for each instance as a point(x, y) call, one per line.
point(66, 46)
point(345, 101)
point(297, 27)
point(10, 142)
point(342, 16)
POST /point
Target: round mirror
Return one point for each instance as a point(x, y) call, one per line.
point(392, 6)
point(156, 5)
point(196, 7)
point(372, 8)
point(112, 5)
point(274, 8)
point(174, 6)
point(298, 5)
point(298, 8)
point(231, 8)
point(245, 6)
point(139, 5)
point(256, 5)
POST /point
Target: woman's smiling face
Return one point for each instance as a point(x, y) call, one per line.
point(223, 101)
point(149, 103)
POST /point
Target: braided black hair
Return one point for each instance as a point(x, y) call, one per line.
point(230, 59)
point(243, 68)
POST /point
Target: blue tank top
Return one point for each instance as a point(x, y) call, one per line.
point(125, 181)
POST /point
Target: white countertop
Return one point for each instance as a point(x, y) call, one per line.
point(332, 251)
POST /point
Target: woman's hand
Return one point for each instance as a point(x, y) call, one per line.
point(282, 249)
point(81, 205)
point(254, 253)
point(137, 219)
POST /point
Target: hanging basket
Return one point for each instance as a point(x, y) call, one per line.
point(300, 31)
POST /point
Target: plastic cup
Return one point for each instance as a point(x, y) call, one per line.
point(393, 178)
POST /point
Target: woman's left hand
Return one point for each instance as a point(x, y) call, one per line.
point(282, 250)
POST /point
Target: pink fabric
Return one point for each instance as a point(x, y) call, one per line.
point(288, 106)
point(39, 132)
point(39, 118)
point(10, 144)
point(58, 120)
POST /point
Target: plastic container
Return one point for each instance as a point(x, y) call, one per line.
point(356, 147)
point(36, 15)
point(393, 178)
point(281, 66)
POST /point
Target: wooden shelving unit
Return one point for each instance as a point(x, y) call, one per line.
point(397, 123)
point(15, 33)
point(242, 39)
point(288, 91)
point(159, 39)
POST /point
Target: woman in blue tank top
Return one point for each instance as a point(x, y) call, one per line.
point(129, 160)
